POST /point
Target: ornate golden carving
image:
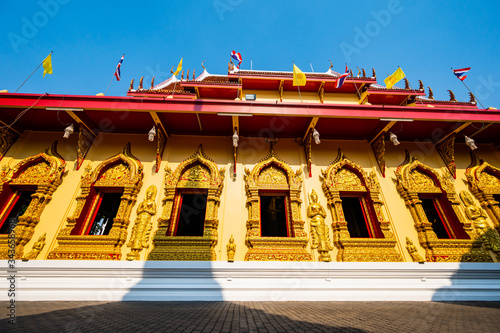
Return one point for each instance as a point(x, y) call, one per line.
point(142, 228)
point(414, 177)
point(319, 231)
point(85, 140)
point(7, 139)
point(378, 147)
point(447, 151)
point(412, 250)
point(196, 172)
point(271, 173)
point(488, 235)
point(121, 171)
point(346, 176)
point(308, 152)
point(231, 249)
point(42, 171)
point(160, 147)
point(36, 249)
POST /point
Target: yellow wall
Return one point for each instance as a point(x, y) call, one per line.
point(233, 212)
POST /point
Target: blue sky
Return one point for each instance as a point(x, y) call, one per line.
point(425, 38)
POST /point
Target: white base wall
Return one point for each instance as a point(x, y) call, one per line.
point(47, 280)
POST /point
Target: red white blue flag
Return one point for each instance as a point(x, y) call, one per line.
point(340, 81)
point(237, 57)
point(117, 71)
point(460, 73)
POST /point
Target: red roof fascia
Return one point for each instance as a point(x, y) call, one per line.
point(263, 108)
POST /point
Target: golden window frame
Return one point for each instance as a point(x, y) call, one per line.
point(272, 173)
point(414, 178)
point(123, 170)
point(345, 176)
point(196, 172)
point(484, 182)
point(44, 171)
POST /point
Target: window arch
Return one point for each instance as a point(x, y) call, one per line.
point(98, 227)
point(275, 230)
point(484, 183)
point(433, 203)
point(25, 190)
point(187, 229)
point(361, 232)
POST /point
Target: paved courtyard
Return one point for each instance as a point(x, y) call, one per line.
point(254, 317)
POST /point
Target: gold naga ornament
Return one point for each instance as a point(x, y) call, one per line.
point(143, 223)
point(319, 231)
point(36, 249)
point(478, 217)
point(44, 173)
point(412, 250)
point(231, 249)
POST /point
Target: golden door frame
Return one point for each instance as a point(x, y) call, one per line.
point(272, 173)
point(198, 172)
point(123, 170)
point(484, 183)
point(414, 178)
point(343, 175)
point(44, 171)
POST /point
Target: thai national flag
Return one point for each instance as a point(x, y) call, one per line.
point(237, 57)
point(117, 71)
point(460, 73)
point(340, 81)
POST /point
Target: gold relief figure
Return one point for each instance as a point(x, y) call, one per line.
point(319, 231)
point(231, 249)
point(37, 248)
point(142, 227)
point(412, 250)
point(478, 217)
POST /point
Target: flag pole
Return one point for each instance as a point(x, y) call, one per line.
point(32, 73)
point(470, 91)
point(109, 85)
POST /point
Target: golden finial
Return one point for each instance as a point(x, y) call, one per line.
point(420, 85)
point(359, 71)
point(373, 73)
point(363, 71)
point(230, 66)
point(331, 64)
point(140, 82)
point(472, 98)
point(152, 82)
point(350, 71)
point(182, 75)
point(187, 75)
point(172, 70)
point(202, 65)
point(193, 74)
point(452, 96)
point(131, 85)
point(431, 93)
point(407, 84)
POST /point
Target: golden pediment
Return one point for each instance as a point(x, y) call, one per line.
point(272, 177)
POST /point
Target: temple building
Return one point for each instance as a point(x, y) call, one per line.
point(247, 167)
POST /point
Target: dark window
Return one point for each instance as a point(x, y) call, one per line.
point(273, 216)
point(434, 216)
point(107, 208)
point(19, 206)
point(191, 221)
point(355, 216)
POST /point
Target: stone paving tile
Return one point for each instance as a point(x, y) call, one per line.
point(254, 317)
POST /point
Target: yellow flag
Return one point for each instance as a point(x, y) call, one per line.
point(47, 65)
point(394, 78)
point(299, 78)
point(179, 68)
